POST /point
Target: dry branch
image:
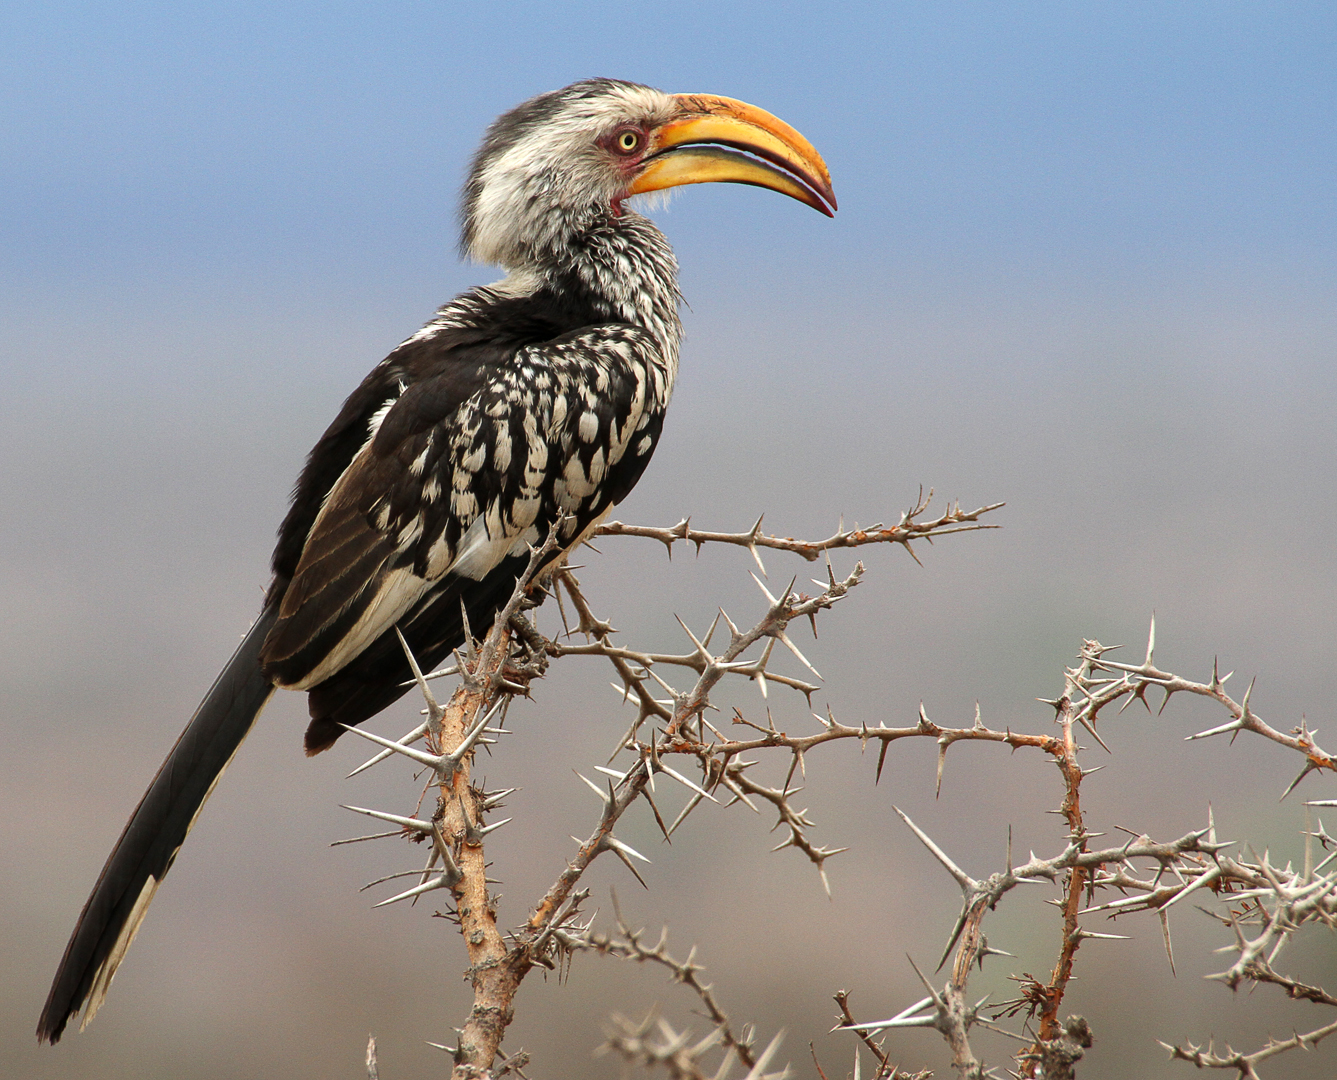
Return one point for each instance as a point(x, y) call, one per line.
point(908, 529)
point(677, 737)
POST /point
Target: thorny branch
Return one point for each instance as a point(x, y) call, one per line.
point(1244, 1064)
point(456, 830)
point(886, 1070)
point(627, 944)
point(655, 1042)
point(1277, 900)
point(1274, 900)
point(513, 653)
point(908, 529)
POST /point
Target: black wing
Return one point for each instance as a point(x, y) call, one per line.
point(459, 472)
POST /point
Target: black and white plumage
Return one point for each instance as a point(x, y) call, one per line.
point(535, 399)
point(474, 436)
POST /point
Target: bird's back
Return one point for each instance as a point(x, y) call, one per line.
point(465, 445)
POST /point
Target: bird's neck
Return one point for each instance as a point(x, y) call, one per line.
point(625, 269)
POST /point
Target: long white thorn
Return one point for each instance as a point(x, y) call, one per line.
point(438, 882)
point(757, 556)
point(395, 819)
point(686, 782)
point(440, 673)
point(1234, 725)
point(794, 649)
point(626, 849)
point(595, 788)
point(434, 710)
point(962, 878)
point(480, 833)
point(494, 798)
point(765, 591)
point(412, 737)
point(758, 1070)
point(457, 755)
point(434, 761)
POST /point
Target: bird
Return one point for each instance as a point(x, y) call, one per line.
point(533, 402)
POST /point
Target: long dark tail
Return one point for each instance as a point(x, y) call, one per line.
point(155, 833)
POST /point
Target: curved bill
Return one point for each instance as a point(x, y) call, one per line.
point(687, 151)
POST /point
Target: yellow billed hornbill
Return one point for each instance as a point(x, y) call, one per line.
point(535, 399)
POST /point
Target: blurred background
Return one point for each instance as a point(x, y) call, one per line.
point(1084, 264)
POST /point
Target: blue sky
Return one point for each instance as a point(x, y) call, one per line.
point(214, 139)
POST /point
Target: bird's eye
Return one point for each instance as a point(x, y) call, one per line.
point(627, 141)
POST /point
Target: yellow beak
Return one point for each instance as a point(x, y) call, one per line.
point(689, 151)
